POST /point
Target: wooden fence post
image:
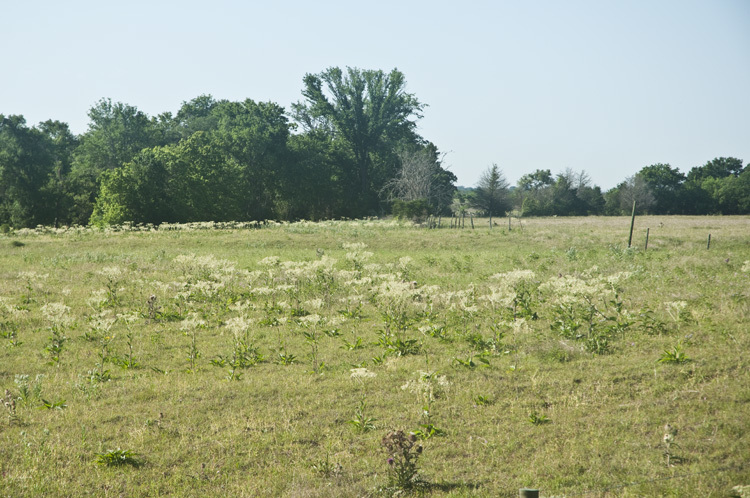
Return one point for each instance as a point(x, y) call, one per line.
point(646, 248)
point(708, 245)
point(632, 222)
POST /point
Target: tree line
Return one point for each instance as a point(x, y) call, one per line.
point(349, 148)
point(721, 186)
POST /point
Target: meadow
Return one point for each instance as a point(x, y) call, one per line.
point(377, 358)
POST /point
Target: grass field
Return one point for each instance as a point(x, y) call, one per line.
point(279, 361)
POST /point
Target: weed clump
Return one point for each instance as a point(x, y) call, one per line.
point(403, 455)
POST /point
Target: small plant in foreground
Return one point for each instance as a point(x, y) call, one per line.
point(469, 361)
point(537, 419)
point(326, 468)
point(311, 338)
point(403, 454)
point(362, 422)
point(429, 387)
point(117, 458)
point(351, 346)
point(10, 403)
point(153, 309)
point(676, 355)
point(55, 346)
point(481, 400)
point(28, 392)
point(189, 326)
point(429, 430)
point(58, 316)
point(669, 435)
point(244, 355)
point(283, 357)
point(54, 405)
point(128, 361)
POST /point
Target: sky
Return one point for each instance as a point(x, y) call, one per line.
point(603, 86)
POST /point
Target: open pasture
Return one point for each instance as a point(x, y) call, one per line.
point(274, 361)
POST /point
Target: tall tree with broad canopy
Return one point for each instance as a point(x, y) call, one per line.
point(369, 109)
point(665, 183)
point(117, 132)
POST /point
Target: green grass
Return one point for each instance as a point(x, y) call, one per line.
point(239, 378)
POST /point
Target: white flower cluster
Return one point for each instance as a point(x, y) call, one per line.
point(570, 289)
point(128, 318)
point(101, 322)
point(361, 374)
point(192, 322)
point(11, 309)
point(429, 386)
point(57, 313)
point(205, 266)
point(513, 277)
point(238, 325)
point(111, 272)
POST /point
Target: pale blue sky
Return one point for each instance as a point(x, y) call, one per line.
point(603, 86)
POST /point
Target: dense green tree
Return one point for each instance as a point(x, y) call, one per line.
point(27, 163)
point(196, 115)
point(731, 194)
point(706, 184)
point(533, 195)
point(311, 185)
point(117, 132)
point(491, 193)
point(371, 111)
point(716, 168)
point(57, 192)
point(230, 173)
point(567, 194)
point(139, 191)
point(253, 137)
point(565, 201)
point(190, 181)
point(665, 183)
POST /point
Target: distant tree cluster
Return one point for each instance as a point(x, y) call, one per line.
point(721, 186)
point(348, 149)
